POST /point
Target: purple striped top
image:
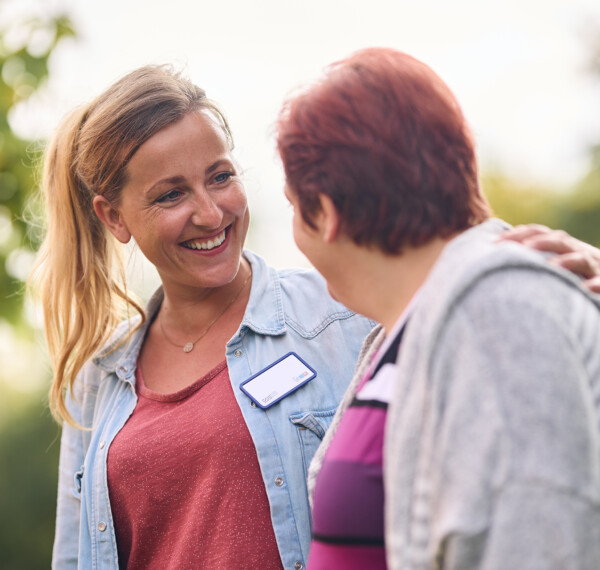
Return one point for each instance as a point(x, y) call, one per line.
point(348, 498)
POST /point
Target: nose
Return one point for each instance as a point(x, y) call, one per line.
point(206, 212)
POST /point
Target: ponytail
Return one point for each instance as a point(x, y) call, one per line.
point(80, 274)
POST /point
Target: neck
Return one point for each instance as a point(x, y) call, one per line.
point(383, 285)
point(187, 309)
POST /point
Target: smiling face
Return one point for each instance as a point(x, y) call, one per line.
point(184, 204)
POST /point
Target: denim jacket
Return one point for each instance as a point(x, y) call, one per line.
point(287, 311)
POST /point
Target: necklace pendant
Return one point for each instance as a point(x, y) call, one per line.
point(188, 347)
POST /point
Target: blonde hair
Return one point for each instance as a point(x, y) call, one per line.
point(80, 275)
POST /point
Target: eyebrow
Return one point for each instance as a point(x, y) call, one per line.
point(216, 165)
point(166, 181)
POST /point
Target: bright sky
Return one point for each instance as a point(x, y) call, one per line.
point(518, 68)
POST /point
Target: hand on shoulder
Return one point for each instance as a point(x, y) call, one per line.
point(571, 253)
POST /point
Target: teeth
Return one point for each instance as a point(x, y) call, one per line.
point(206, 245)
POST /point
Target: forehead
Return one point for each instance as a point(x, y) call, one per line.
point(198, 128)
point(189, 145)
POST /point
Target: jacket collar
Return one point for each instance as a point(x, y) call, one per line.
point(264, 315)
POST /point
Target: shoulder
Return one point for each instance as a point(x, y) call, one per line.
point(120, 350)
point(309, 308)
point(499, 317)
point(122, 344)
point(477, 274)
point(302, 299)
point(119, 342)
point(504, 322)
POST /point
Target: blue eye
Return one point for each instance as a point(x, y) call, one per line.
point(223, 177)
point(170, 196)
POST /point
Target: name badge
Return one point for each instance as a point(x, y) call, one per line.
point(277, 380)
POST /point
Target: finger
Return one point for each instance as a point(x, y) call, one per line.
point(593, 284)
point(578, 262)
point(519, 233)
point(555, 241)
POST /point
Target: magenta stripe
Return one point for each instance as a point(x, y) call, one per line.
point(359, 436)
point(331, 557)
point(340, 512)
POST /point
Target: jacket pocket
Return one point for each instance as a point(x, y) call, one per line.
point(77, 478)
point(312, 426)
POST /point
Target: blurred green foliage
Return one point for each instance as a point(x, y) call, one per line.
point(575, 210)
point(29, 443)
point(23, 69)
point(28, 436)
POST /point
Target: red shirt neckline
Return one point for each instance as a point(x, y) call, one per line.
point(145, 392)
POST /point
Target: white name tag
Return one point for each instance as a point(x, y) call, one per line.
point(277, 380)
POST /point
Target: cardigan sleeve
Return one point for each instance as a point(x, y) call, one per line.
point(507, 473)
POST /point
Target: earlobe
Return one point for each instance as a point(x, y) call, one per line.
point(111, 218)
point(330, 221)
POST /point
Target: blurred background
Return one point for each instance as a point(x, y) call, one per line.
point(527, 73)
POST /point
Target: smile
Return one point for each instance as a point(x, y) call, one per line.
point(206, 244)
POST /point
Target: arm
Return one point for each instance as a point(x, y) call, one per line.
point(572, 254)
point(511, 431)
point(66, 539)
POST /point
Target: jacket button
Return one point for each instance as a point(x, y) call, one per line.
point(298, 565)
point(101, 526)
point(279, 481)
point(102, 444)
point(237, 352)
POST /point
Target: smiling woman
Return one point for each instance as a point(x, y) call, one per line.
point(165, 461)
point(186, 208)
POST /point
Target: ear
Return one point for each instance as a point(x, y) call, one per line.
point(329, 220)
point(111, 218)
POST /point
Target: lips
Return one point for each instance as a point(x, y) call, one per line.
point(206, 244)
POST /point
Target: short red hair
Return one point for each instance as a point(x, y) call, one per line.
point(384, 137)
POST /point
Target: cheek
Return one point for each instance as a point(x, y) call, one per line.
point(157, 229)
point(296, 230)
point(236, 205)
point(237, 200)
point(302, 238)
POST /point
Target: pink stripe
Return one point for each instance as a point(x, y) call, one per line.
point(359, 436)
point(329, 556)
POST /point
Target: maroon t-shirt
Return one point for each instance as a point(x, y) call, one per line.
point(185, 484)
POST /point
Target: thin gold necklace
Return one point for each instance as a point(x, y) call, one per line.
point(189, 346)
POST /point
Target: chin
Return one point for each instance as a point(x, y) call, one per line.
point(343, 299)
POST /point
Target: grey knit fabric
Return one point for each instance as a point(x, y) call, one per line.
point(492, 446)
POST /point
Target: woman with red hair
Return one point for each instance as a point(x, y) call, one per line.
point(469, 435)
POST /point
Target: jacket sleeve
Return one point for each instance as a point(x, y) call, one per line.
point(72, 454)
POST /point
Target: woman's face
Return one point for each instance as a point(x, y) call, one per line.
point(185, 205)
point(313, 243)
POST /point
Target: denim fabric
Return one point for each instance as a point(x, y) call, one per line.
point(288, 310)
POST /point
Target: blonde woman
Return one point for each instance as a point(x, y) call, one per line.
point(165, 462)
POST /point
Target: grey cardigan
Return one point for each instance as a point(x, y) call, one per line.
point(492, 447)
